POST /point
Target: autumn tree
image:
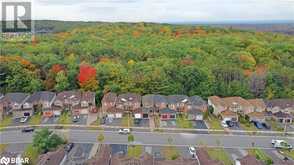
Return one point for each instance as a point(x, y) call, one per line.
point(87, 78)
point(62, 82)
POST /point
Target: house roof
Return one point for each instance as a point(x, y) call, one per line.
point(204, 158)
point(109, 97)
point(257, 115)
point(73, 95)
point(102, 157)
point(49, 158)
point(228, 113)
point(120, 159)
point(167, 110)
point(174, 99)
point(148, 99)
point(16, 97)
point(41, 96)
point(217, 101)
point(250, 160)
point(178, 161)
point(88, 96)
point(129, 97)
point(114, 110)
point(160, 99)
point(196, 100)
point(281, 103)
point(229, 101)
point(282, 115)
point(257, 103)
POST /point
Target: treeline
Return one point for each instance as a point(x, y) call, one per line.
point(152, 58)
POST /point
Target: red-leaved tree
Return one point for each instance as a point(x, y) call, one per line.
point(87, 78)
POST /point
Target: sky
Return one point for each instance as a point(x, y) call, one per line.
point(164, 10)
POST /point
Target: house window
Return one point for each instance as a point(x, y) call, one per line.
point(172, 116)
point(288, 120)
point(281, 120)
point(164, 116)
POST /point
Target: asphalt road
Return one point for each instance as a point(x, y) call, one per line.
point(153, 138)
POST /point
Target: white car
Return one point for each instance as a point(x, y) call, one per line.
point(124, 131)
point(224, 124)
point(281, 144)
point(24, 119)
point(192, 150)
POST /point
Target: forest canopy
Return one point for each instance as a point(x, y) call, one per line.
point(152, 58)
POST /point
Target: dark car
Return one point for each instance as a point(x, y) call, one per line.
point(137, 121)
point(75, 119)
point(230, 123)
point(68, 147)
point(28, 129)
point(266, 126)
point(258, 125)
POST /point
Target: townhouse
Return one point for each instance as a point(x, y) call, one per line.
point(230, 107)
point(282, 110)
point(14, 103)
point(195, 107)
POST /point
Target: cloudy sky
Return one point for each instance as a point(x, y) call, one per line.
point(164, 10)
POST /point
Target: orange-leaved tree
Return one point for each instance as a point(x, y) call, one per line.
point(87, 78)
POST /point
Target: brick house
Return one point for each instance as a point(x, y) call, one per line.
point(53, 157)
point(283, 117)
point(167, 114)
point(128, 101)
point(154, 103)
point(160, 102)
point(42, 100)
point(259, 110)
point(283, 105)
point(67, 100)
point(177, 102)
point(108, 101)
point(87, 104)
point(114, 113)
point(14, 102)
point(195, 107)
point(249, 160)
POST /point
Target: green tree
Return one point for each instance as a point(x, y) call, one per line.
point(131, 138)
point(45, 140)
point(100, 138)
point(62, 82)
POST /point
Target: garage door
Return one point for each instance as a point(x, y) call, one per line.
point(199, 117)
point(110, 115)
point(47, 113)
point(145, 116)
point(84, 112)
point(118, 115)
point(138, 116)
point(57, 113)
point(26, 114)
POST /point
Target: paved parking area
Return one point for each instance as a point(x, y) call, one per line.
point(168, 124)
point(113, 122)
point(16, 122)
point(118, 148)
point(142, 123)
point(199, 124)
point(50, 120)
point(78, 154)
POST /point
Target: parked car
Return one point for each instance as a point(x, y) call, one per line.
point(28, 129)
point(68, 147)
point(192, 150)
point(230, 123)
point(124, 131)
point(224, 124)
point(24, 119)
point(266, 126)
point(75, 118)
point(258, 125)
point(137, 121)
point(282, 144)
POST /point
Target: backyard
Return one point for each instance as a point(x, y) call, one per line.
point(260, 155)
point(35, 119)
point(135, 151)
point(219, 154)
point(214, 122)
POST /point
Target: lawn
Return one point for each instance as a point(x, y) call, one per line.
point(32, 153)
point(288, 153)
point(3, 148)
point(135, 151)
point(275, 126)
point(170, 152)
point(157, 121)
point(35, 119)
point(127, 121)
point(214, 122)
point(248, 127)
point(6, 121)
point(219, 154)
point(182, 122)
point(96, 123)
point(64, 118)
point(260, 155)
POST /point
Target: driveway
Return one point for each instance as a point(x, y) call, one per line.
point(168, 124)
point(118, 148)
point(50, 120)
point(199, 124)
point(142, 123)
point(78, 154)
point(113, 121)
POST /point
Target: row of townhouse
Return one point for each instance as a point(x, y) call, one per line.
point(49, 103)
point(168, 107)
point(281, 110)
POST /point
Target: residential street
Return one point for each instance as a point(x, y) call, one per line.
point(154, 138)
